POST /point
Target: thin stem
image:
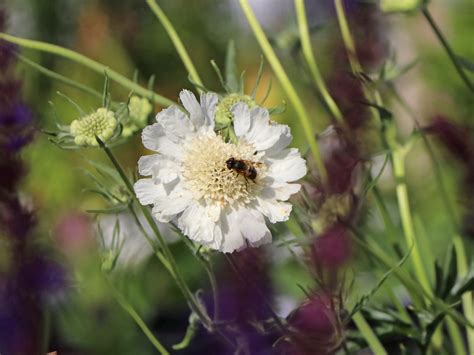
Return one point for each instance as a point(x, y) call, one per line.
point(175, 271)
point(178, 44)
point(286, 85)
point(127, 307)
point(406, 219)
point(81, 59)
point(61, 78)
point(368, 334)
point(450, 209)
point(447, 47)
point(347, 38)
point(310, 60)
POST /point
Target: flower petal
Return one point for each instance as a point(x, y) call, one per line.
point(193, 107)
point(175, 122)
point(208, 105)
point(155, 138)
point(279, 191)
point(232, 238)
point(241, 113)
point(166, 207)
point(252, 225)
point(147, 191)
point(196, 223)
point(274, 210)
point(287, 165)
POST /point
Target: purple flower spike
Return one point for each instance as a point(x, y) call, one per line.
point(332, 249)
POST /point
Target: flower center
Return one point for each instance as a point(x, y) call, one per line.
point(207, 176)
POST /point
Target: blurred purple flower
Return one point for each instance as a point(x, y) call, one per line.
point(314, 327)
point(244, 298)
point(27, 277)
point(332, 249)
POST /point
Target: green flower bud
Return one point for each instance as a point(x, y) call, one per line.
point(223, 116)
point(101, 123)
point(139, 108)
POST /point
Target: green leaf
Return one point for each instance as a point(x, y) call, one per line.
point(231, 81)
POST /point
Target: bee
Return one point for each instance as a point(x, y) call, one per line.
point(246, 168)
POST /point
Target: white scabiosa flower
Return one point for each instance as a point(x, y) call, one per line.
point(193, 184)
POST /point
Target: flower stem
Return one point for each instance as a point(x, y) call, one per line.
point(61, 78)
point(369, 335)
point(310, 60)
point(447, 47)
point(167, 253)
point(398, 160)
point(450, 210)
point(81, 59)
point(286, 85)
point(178, 44)
point(127, 307)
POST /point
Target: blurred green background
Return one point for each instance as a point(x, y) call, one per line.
point(126, 36)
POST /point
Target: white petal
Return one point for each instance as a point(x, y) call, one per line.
point(155, 138)
point(287, 165)
point(146, 163)
point(147, 191)
point(282, 142)
point(208, 105)
point(262, 133)
point(279, 191)
point(175, 122)
point(274, 210)
point(252, 225)
point(193, 107)
point(195, 223)
point(241, 113)
point(167, 207)
point(165, 171)
point(232, 238)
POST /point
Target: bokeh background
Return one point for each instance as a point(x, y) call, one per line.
point(126, 36)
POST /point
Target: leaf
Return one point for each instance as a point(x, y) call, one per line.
point(231, 81)
point(364, 299)
point(384, 113)
point(465, 63)
point(277, 109)
point(219, 75)
point(466, 284)
point(451, 275)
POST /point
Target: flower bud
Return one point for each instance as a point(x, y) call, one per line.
point(101, 123)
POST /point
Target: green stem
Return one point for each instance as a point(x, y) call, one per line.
point(81, 59)
point(310, 60)
point(286, 85)
point(405, 215)
point(450, 210)
point(195, 306)
point(369, 335)
point(447, 47)
point(178, 44)
point(127, 307)
point(347, 38)
point(61, 78)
